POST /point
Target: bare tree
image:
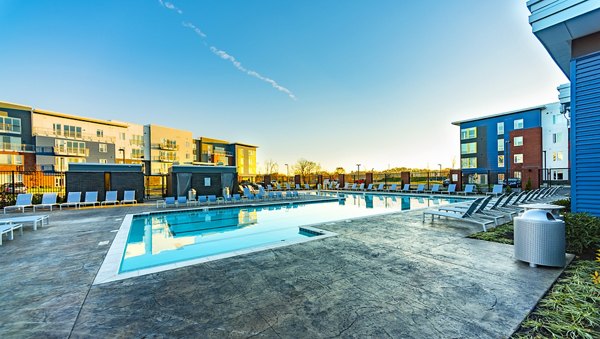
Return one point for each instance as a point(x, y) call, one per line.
point(304, 167)
point(271, 166)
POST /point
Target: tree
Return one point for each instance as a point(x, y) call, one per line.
point(340, 170)
point(271, 166)
point(304, 167)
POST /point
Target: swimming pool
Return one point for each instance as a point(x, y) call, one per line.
point(152, 242)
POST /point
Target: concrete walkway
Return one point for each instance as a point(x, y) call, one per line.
point(384, 276)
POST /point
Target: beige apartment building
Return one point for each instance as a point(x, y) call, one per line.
point(166, 146)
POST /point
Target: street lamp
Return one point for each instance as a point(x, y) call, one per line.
point(357, 171)
point(122, 150)
point(440, 169)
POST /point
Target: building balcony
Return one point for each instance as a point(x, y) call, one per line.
point(79, 152)
point(166, 159)
point(46, 168)
point(7, 146)
point(168, 146)
point(48, 132)
point(10, 128)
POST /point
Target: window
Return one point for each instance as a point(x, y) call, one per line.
point(56, 129)
point(102, 161)
point(554, 119)
point(137, 140)
point(518, 141)
point(468, 148)
point(500, 128)
point(137, 153)
point(500, 161)
point(71, 131)
point(122, 135)
point(556, 137)
point(9, 159)
point(67, 147)
point(518, 158)
point(519, 124)
point(468, 133)
point(99, 133)
point(10, 125)
point(10, 143)
point(500, 177)
point(500, 145)
point(517, 174)
point(102, 148)
point(468, 162)
point(557, 156)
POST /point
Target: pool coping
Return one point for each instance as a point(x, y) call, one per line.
point(109, 270)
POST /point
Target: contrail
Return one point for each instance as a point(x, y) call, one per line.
point(226, 56)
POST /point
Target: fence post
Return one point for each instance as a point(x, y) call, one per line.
point(13, 183)
point(428, 186)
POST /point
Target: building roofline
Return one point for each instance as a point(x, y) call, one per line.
point(457, 123)
point(213, 140)
point(75, 117)
point(5, 104)
point(243, 144)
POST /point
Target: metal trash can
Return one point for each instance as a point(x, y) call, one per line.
point(191, 194)
point(540, 239)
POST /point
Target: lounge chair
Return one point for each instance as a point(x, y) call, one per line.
point(91, 198)
point(451, 189)
point(287, 186)
point(346, 186)
point(181, 201)
point(35, 220)
point(497, 190)
point(361, 187)
point(435, 188)
point(237, 198)
point(10, 229)
point(306, 186)
point(354, 187)
point(73, 199)
point(420, 188)
point(23, 201)
point(249, 195)
point(479, 211)
point(169, 201)
point(129, 197)
point(269, 188)
point(466, 214)
point(111, 198)
point(228, 199)
point(393, 188)
point(406, 188)
point(468, 189)
point(298, 187)
point(203, 199)
point(48, 201)
point(212, 199)
point(370, 187)
point(380, 187)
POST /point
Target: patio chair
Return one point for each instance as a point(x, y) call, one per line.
point(354, 187)
point(35, 220)
point(181, 200)
point(249, 195)
point(406, 188)
point(212, 199)
point(73, 199)
point(287, 186)
point(370, 187)
point(227, 198)
point(298, 187)
point(361, 187)
point(129, 197)
point(466, 214)
point(23, 201)
point(203, 199)
point(479, 211)
point(269, 188)
point(451, 189)
point(420, 188)
point(306, 186)
point(393, 188)
point(48, 201)
point(169, 201)
point(468, 189)
point(10, 229)
point(496, 191)
point(237, 198)
point(380, 187)
point(91, 198)
point(435, 188)
point(111, 198)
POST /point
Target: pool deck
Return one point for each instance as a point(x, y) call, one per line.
point(382, 276)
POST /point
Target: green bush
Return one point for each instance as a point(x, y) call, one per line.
point(528, 185)
point(566, 203)
point(582, 231)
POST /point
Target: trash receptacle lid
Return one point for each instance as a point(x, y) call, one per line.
point(538, 215)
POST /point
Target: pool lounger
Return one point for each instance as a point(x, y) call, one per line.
point(35, 220)
point(9, 229)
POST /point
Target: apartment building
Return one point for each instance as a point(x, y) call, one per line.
point(221, 152)
point(165, 146)
point(513, 144)
point(17, 151)
point(570, 32)
point(61, 139)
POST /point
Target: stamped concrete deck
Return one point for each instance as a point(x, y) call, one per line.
point(384, 276)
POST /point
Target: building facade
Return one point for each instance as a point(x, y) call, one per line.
point(570, 32)
point(220, 152)
point(165, 146)
point(17, 150)
point(514, 145)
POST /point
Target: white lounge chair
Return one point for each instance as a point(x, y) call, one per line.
point(129, 197)
point(462, 214)
point(35, 220)
point(10, 229)
point(406, 188)
point(497, 190)
point(23, 201)
point(73, 199)
point(380, 187)
point(393, 188)
point(420, 188)
point(469, 189)
point(91, 198)
point(111, 198)
point(435, 188)
point(48, 201)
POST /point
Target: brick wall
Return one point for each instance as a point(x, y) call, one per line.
point(532, 155)
point(94, 181)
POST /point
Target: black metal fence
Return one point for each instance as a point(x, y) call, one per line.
point(155, 186)
point(36, 182)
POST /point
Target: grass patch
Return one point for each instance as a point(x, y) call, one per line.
point(502, 234)
point(570, 309)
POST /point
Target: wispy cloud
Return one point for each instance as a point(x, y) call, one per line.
point(171, 6)
point(226, 56)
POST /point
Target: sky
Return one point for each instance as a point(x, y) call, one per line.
point(337, 82)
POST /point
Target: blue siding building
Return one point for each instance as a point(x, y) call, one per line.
point(570, 32)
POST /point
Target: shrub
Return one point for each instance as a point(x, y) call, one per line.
point(528, 185)
point(582, 231)
point(564, 202)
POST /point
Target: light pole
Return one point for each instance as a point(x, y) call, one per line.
point(287, 172)
point(357, 171)
point(122, 150)
point(440, 169)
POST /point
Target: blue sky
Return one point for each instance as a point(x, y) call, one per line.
point(338, 82)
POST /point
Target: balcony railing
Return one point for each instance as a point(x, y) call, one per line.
point(79, 152)
point(168, 146)
point(162, 158)
point(10, 128)
point(7, 146)
point(47, 132)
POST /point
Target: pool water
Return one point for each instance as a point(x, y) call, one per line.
point(165, 238)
